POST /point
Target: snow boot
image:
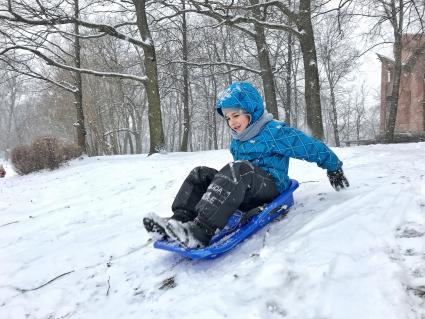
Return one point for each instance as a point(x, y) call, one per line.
point(156, 225)
point(193, 234)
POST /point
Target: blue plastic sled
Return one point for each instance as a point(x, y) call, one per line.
point(235, 231)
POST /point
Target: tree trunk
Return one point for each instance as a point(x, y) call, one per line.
point(287, 106)
point(296, 112)
point(393, 101)
point(358, 122)
point(265, 65)
point(214, 120)
point(348, 122)
point(139, 131)
point(156, 132)
point(229, 72)
point(12, 106)
point(333, 113)
point(312, 86)
point(78, 96)
point(180, 122)
point(334, 117)
point(186, 116)
point(423, 110)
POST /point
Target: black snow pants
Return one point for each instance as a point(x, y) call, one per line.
point(212, 196)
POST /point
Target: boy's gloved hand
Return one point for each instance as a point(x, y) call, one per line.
point(338, 179)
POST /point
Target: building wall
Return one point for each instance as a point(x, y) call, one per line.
point(410, 113)
point(417, 95)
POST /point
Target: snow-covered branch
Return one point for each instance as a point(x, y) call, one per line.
point(224, 15)
point(125, 129)
point(52, 62)
point(64, 20)
point(36, 75)
point(213, 63)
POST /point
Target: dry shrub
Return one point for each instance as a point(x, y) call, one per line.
point(47, 152)
point(2, 171)
point(44, 152)
point(22, 159)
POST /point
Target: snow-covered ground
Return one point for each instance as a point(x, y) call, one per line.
point(72, 244)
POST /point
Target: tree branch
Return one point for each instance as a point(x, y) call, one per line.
point(106, 29)
point(208, 64)
point(50, 61)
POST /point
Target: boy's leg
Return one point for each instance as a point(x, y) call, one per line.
point(190, 193)
point(236, 185)
point(188, 196)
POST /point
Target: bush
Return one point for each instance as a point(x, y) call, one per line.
point(44, 152)
point(2, 171)
point(22, 159)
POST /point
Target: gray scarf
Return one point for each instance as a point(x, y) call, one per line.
point(253, 129)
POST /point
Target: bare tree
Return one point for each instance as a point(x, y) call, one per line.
point(256, 33)
point(54, 15)
point(151, 83)
point(359, 113)
point(185, 55)
point(78, 93)
point(394, 12)
point(295, 20)
point(8, 110)
point(338, 58)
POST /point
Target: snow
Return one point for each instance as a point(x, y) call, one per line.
point(352, 254)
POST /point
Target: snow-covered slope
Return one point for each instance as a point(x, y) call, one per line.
point(72, 245)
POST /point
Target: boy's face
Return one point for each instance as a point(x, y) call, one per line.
point(236, 120)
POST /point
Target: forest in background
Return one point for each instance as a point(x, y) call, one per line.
point(129, 77)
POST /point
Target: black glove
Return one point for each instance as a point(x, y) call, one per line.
point(338, 180)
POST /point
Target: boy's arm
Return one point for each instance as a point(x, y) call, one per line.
point(294, 143)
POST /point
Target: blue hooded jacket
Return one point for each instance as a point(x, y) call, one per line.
point(276, 142)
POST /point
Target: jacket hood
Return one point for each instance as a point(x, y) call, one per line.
point(241, 95)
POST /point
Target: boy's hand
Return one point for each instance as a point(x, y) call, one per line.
point(338, 179)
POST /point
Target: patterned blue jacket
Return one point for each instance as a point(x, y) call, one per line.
point(272, 147)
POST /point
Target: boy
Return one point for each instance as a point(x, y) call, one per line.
point(261, 148)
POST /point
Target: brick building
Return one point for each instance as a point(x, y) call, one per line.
point(411, 107)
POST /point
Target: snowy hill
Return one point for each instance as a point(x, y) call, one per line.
point(72, 244)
